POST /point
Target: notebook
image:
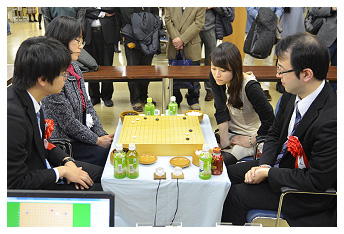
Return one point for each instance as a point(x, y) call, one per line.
point(43, 208)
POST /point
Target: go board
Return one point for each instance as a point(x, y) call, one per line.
point(162, 135)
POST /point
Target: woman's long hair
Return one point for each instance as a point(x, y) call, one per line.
point(227, 56)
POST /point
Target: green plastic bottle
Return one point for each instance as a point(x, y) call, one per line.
point(119, 162)
point(205, 163)
point(149, 107)
point(173, 106)
point(132, 162)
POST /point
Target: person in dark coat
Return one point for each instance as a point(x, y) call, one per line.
point(138, 88)
point(100, 25)
point(307, 116)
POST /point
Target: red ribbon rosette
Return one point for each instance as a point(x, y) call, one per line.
point(49, 128)
point(296, 149)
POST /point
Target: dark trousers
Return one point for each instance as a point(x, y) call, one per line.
point(243, 197)
point(193, 96)
point(95, 172)
point(93, 154)
point(298, 209)
point(103, 53)
point(138, 89)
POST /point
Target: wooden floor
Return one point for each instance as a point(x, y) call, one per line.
point(109, 116)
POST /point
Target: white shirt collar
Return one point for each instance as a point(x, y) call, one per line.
point(304, 104)
point(36, 105)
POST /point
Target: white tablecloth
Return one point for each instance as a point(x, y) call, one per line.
point(200, 201)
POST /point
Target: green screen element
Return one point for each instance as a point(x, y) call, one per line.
point(81, 215)
point(13, 209)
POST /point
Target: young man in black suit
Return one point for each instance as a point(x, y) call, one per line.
point(33, 162)
point(308, 112)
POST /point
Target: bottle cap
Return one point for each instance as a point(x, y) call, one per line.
point(217, 150)
point(156, 112)
point(149, 99)
point(119, 146)
point(206, 147)
point(173, 98)
point(132, 146)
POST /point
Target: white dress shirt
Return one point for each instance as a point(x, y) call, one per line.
point(304, 104)
point(96, 23)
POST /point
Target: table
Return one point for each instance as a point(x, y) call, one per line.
point(187, 73)
point(200, 201)
point(164, 73)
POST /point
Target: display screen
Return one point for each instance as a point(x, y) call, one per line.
point(58, 212)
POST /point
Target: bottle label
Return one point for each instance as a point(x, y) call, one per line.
point(120, 169)
point(201, 166)
point(131, 168)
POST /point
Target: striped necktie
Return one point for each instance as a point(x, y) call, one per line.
point(39, 123)
point(298, 118)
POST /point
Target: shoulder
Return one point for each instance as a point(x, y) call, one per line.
point(77, 69)
point(249, 80)
point(15, 100)
point(249, 75)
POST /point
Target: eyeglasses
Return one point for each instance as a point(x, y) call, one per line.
point(81, 43)
point(279, 72)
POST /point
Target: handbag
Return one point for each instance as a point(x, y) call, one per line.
point(313, 23)
point(262, 35)
point(180, 60)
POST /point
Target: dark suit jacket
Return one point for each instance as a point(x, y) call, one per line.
point(26, 166)
point(109, 24)
point(317, 132)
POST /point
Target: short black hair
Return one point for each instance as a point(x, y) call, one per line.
point(39, 57)
point(306, 51)
point(65, 29)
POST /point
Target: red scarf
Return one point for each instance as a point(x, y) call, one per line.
point(71, 71)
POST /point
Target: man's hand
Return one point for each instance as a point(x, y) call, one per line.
point(256, 175)
point(109, 14)
point(76, 175)
point(178, 43)
point(105, 141)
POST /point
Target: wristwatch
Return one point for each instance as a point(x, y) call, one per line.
point(64, 161)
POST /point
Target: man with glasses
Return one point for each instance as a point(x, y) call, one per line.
point(307, 117)
point(32, 162)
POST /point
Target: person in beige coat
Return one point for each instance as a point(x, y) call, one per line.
point(183, 26)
